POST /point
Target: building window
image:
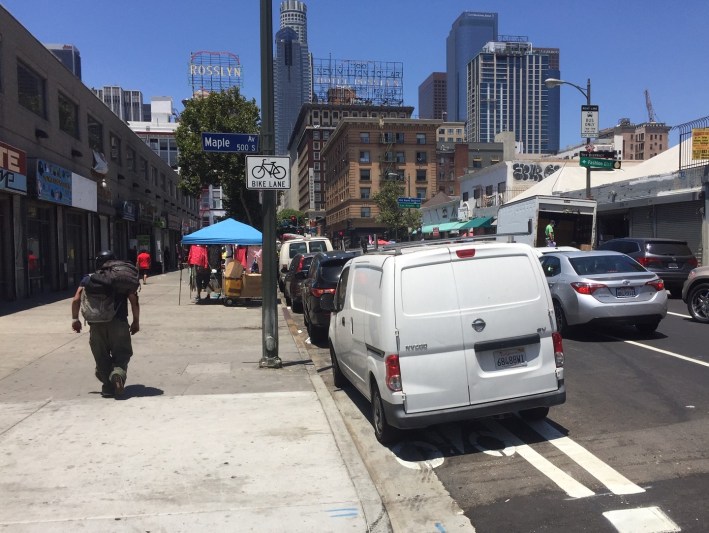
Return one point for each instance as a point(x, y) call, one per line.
point(316, 145)
point(477, 162)
point(421, 192)
point(441, 131)
point(400, 138)
point(388, 137)
point(130, 158)
point(421, 174)
point(95, 134)
point(420, 138)
point(364, 156)
point(31, 90)
point(68, 116)
point(364, 137)
point(115, 148)
point(465, 196)
point(365, 174)
point(365, 212)
point(421, 157)
point(144, 168)
point(316, 155)
point(316, 134)
point(154, 176)
point(400, 157)
point(364, 193)
point(488, 190)
point(162, 181)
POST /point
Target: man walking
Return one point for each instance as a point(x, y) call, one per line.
point(143, 264)
point(549, 233)
point(110, 341)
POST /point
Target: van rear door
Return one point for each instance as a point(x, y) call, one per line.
point(432, 355)
point(505, 311)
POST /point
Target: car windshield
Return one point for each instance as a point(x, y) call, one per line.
point(668, 248)
point(604, 264)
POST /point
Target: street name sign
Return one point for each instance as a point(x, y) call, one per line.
point(407, 202)
point(601, 164)
point(244, 143)
point(267, 172)
point(601, 154)
point(589, 121)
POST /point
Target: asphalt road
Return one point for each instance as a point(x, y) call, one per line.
point(626, 452)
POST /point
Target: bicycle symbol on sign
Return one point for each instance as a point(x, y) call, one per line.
point(272, 169)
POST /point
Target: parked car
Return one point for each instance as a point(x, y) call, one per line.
point(671, 259)
point(428, 336)
point(603, 287)
point(695, 293)
point(294, 278)
point(303, 245)
point(323, 276)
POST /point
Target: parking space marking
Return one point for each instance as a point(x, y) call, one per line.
point(564, 481)
point(665, 352)
point(642, 519)
point(614, 480)
point(678, 314)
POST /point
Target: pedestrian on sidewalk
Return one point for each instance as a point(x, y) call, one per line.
point(199, 263)
point(110, 342)
point(143, 263)
point(549, 233)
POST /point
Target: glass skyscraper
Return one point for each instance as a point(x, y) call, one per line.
point(292, 78)
point(468, 35)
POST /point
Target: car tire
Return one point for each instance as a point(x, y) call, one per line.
point(698, 303)
point(337, 375)
point(648, 328)
point(561, 325)
point(385, 433)
point(536, 413)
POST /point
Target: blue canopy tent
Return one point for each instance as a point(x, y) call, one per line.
point(227, 231)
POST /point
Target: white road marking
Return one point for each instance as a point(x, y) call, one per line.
point(431, 456)
point(665, 352)
point(641, 520)
point(564, 481)
point(678, 314)
point(616, 482)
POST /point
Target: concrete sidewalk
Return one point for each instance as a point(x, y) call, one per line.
point(202, 440)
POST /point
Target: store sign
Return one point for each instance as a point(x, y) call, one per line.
point(53, 183)
point(700, 143)
point(13, 169)
point(128, 211)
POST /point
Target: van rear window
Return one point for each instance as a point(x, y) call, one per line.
point(318, 246)
point(668, 248)
point(296, 248)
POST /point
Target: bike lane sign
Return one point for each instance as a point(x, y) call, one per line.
point(267, 172)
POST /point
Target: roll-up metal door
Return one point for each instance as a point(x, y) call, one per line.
point(642, 222)
point(682, 221)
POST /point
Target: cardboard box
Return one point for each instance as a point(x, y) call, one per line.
point(233, 270)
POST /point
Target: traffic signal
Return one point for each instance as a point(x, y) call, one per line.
point(342, 233)
point(294, 220)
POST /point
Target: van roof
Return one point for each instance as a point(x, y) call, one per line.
point(419, 246)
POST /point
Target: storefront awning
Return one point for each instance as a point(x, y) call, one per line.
point(478, 222)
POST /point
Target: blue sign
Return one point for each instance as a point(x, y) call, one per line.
point(53, 183)
point(408, 203)
point(245, 143)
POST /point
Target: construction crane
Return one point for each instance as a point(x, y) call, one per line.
point(650, 111)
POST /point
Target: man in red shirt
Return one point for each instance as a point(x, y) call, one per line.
point(199, 262)
point(143, 264)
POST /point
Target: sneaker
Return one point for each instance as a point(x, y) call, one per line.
point(118, 384)
point(107, 390)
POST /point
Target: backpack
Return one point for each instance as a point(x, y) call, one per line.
point(120, 276)
point(97, 303)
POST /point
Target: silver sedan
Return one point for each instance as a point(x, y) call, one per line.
point(603, 287)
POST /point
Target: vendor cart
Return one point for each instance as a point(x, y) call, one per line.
point(237, 284)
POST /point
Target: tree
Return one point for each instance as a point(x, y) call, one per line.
point(223, 112)
point(391, 215)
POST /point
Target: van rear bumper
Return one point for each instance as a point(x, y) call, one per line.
point(397, 417)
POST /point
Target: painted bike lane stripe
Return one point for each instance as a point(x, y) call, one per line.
point(564, 481)
point(658, 350)
point(616, 482)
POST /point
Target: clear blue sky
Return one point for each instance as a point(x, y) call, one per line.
point(625, 47)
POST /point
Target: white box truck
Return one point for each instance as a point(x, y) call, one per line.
point(575, 220)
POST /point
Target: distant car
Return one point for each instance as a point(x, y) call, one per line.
point(294, 278)
point(603, 287)
point(671, 259)
point(695, 294)
point(323, 275)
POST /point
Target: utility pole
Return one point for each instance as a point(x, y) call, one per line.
point(269, 357)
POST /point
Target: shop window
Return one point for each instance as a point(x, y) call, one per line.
point(68, 115)
point(31, 90)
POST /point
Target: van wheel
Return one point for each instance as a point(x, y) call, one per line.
point(385, 433)
point(337, 375)
point(536, 413)
point(561, 325)
point(698, 303)
point(648, 329)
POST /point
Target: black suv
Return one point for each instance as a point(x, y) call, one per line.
point(294, 278)
point(323, 275)
point(671, 259)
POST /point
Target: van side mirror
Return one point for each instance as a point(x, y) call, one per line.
point(327, 302)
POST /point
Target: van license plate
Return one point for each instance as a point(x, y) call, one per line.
point(625, 292)
point(510, 358)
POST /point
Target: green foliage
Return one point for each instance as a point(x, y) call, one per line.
point(285, 215)
point(223, 112)
point(396, 219)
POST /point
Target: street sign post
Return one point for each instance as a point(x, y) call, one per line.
point(245, 143)
point(589, 121)
point(599, 164)
point(267, 172)
point(408, 203)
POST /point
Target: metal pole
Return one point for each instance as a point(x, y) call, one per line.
point(269, 357)
point(588, 141)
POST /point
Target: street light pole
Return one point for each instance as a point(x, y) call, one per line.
point(553, 82)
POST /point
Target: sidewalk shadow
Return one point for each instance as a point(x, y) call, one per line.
point(139, 391)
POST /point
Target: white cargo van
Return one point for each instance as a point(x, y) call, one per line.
point(445, 332)
point(305, 245)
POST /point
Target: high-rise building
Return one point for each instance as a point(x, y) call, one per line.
point(468, 35)
point(127, 104)
point(69, 55)
point(292, 68)
point(433, 97)
point(506, 92)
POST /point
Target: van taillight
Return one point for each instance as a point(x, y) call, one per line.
point(466, 253)
point(558, 349)
point(393, 373)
